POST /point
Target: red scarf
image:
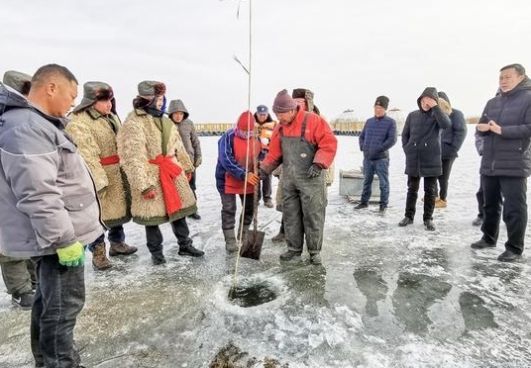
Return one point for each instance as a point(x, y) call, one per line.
point(168, 172)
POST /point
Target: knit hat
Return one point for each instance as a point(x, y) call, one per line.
point(95, 91)
point(20, 82)
point(178, 106)
point(245, 121)
point(308, 97)
point(262, 109)
point(283, 102)
point(382, 101)
point(150, 89)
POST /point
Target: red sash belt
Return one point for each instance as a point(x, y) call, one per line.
point(110, 160)
point(168, 171)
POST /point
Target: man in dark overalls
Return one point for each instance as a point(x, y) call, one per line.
point(305, 145)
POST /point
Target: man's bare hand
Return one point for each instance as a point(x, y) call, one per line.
point(495, 128)
point(483, 127)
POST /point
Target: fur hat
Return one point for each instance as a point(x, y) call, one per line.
point(93, 92)
point(150, 89)
point(308, 97)
point(20, 82)
point(382, 101)
point(283, 102)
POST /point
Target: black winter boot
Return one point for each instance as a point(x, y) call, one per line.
point(190, 250)
point(429, 225)
point(509, 256)
point(482, 243)
point(158, 258)
point(405, 221)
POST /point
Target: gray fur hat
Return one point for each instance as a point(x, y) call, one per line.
point(95, 91)
point(20, 82)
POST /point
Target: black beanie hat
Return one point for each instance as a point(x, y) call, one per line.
point(382, 101)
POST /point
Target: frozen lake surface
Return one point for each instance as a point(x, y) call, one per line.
point(384, 297)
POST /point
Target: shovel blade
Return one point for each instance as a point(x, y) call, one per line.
point(252, 247)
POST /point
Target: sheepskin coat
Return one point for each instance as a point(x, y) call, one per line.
point(141, 139)
point(95, 136)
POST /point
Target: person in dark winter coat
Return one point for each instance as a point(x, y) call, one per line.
point(422, 145)
point(306, 146)
point(376, 138)
point(18, 273)
point(180, 116)
point(234, 178)
point(451, 141)
point(49, 209)
point(506, 162)
point(265, 125)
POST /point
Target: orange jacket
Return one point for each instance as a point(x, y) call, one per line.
point(317, 132)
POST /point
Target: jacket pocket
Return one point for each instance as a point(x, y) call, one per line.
point(79, 202)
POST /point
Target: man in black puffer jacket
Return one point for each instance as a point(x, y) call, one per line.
point(422, 145)
point(506, 162)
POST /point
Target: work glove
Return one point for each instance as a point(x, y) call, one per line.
point(72, 255)
point(149, 194)
point(252, 178)
point(314, 171)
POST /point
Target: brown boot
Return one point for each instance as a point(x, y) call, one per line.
point(100, 261)
point(121, 248)
point(440, 203)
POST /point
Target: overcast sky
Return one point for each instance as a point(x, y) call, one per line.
point(348, 52)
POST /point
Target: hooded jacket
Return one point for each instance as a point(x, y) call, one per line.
point(187, 131)
point(508, 154)
point(421, 138)
point(47, 197)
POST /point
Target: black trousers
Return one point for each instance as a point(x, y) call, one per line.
point(228, 210)
point(154, 236)
point(59, 298)
point(479, 197)
point(443, 179)
point(430, 192)
point(512, 190)
point(265, 190)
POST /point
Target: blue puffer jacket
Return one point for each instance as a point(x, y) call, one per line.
point(508, 154)
point(377, 137)
point(452, 139)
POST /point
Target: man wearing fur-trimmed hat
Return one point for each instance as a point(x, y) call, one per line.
point(157, 165)
point(94, 127)
point(376, 139)
point(422, 145)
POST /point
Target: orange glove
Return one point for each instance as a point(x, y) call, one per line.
point(150, 194)
point(252, 178)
